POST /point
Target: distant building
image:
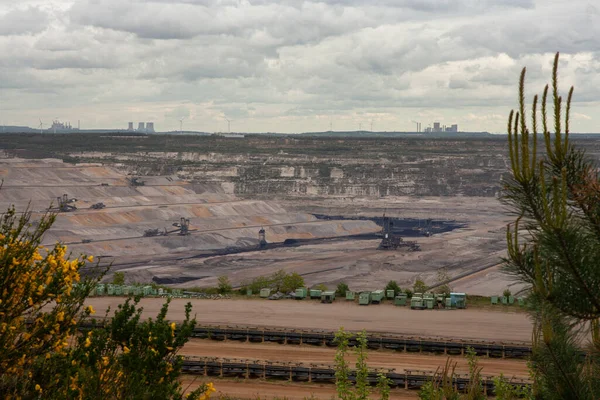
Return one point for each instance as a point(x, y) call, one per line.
point(436, 127)
point(454, 128)
point(150, 127)
point(141, 127)
point(130, 126)
point(60, 127)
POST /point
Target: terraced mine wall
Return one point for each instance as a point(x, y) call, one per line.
point(260, 165)
point(141, 223)
point(248, 369)
point(292, 166)
point(374, 342)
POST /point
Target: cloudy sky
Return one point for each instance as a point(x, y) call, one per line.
point(291, 65)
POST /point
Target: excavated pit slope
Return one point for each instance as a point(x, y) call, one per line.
point(217, 220)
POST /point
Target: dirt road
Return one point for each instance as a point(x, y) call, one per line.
point(323, 355)
point(275, 390)
point(458, 324)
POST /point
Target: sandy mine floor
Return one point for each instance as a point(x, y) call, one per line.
point(219, 220)
point(271, 390)
point(458, 324)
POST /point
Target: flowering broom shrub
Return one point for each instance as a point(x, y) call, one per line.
point(43, 351)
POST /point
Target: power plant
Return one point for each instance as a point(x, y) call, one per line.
point(145, 127)
point(437, 127)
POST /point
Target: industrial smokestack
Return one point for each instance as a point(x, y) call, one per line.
point(141, 127)
point(130, 127)
point(150, 127)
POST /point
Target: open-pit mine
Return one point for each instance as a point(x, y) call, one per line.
point(181, 211)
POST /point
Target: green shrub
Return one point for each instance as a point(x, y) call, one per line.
point(224, 285)
point(419, 286)
point(341, 289)
point(393, 285)
point(118, 278)
point(291, 282)
point(321, 286)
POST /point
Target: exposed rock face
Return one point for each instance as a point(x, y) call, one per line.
point(300, 166)
point(290, 167)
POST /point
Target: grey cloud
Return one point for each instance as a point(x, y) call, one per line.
point(20, 22)
point(564, 27)
point(296, 59)
point(457, 83)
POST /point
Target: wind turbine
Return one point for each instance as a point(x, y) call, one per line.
point(371, 125)
point(41, 125)
point(181, 125)
point(228, 125)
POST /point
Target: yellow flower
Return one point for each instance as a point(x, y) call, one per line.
point(60, 316)
point(90, 258)
point(90, 309)
point(88, 342)
point(173, 326)
point(38, 388)
point(105, 360)
point(125, 349)
point(210, 388)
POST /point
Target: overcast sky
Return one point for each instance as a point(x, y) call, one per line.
point(292, 66)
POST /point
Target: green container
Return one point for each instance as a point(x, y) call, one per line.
point(315, 294)
point(327, 297)
point(377, 296)
point(504, 300)
point(494, 299)
point(390, 294)
point(147, 290)
point(137, 291)
point(265, 292)
point(110, 289)
point(400, 300)
point(417, 295)
point(248, 292)
point(161, 291)
point(521, 301)
point(511, 300)
point(126, 290)
point(364, 299)
point(429, 303)
point(100, 290)
point(350, 295)
point(301, 293)
point(416, 303)
point(118, 290)
point(448, 303)
point(428, 295)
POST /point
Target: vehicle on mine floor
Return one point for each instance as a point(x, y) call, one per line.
point(155, 232)
point(97, 206)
